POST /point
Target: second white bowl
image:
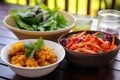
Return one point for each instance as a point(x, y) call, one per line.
point(38, 71)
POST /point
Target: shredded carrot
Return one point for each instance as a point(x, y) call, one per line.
point(95, 33)
point(69, 44)
point(112, 44)
point(89, 43)
point(78, 36)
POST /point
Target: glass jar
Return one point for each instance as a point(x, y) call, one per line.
point(109, 21)
point(83, 23)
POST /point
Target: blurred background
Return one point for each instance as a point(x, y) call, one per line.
point(80, 7)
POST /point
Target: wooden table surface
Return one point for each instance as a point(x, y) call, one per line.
point(64, 71)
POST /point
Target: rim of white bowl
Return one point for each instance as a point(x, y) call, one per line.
point(42, 67)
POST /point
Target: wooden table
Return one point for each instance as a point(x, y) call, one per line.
point(64, 71)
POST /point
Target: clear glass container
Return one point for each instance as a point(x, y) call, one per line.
point(109, 21)
point(83, 23)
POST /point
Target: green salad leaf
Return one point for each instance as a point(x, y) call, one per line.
point(39, 18)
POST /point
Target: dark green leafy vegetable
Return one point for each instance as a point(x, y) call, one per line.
point(39, 44)
point(32, 47)
point(39, 18)
point(100, 36)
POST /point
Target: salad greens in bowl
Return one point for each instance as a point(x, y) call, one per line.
point(39, 21)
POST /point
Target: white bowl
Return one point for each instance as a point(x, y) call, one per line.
point(38, 71)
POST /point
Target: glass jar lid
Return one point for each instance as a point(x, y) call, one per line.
point(109, 14)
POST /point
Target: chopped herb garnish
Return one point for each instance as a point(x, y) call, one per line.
point(32, 47)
